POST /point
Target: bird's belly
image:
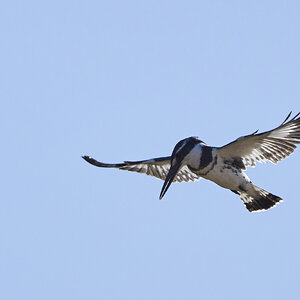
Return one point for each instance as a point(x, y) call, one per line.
point(229, 178)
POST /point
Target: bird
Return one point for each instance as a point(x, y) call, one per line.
point(193, 159)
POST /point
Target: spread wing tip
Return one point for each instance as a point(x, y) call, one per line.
point(97, 163)
point(293, 119)
point(86, 158)
point(91, 160)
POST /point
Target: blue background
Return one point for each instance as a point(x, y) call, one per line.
point(126, 80)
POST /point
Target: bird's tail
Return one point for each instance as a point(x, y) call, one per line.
point(259, 199)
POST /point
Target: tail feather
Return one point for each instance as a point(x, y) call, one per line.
point(262, 200)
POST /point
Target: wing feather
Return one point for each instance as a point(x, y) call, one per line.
point(273, 145)
point(157, 167)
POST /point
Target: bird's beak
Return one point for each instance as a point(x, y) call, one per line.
point(169, 179)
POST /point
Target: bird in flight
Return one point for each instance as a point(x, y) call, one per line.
point(192, 159)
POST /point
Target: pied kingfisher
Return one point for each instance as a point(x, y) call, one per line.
point(192, 159)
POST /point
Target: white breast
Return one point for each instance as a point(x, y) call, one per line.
point(226, 176)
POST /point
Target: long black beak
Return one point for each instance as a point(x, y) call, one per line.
point(169, 179)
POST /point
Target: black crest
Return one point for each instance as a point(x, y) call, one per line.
point(183, 147)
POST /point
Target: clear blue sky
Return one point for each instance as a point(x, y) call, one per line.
point(126, 80)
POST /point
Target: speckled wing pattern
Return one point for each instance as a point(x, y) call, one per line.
point(157, 167)
point(273, 145)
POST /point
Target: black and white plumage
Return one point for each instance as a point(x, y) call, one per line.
point(192, 159)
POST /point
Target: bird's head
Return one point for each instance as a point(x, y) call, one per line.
point(179, 158)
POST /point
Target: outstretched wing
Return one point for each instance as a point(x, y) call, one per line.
point(157, 167)
point(273, 145)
